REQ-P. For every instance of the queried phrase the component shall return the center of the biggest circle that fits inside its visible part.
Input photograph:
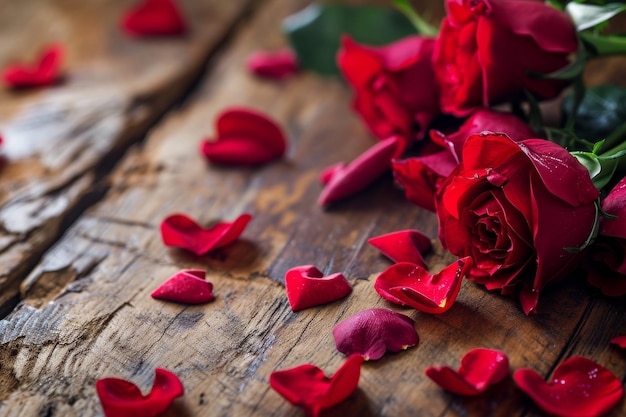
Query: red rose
(487, 48)
(606, 261)
(515, 208)
(394, 85)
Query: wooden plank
(59, 140)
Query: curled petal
(307, 287)
(121, 398)
(154, 18)
(46, 71)
(579, 388)
(479, 369)
(187, 286)
(181, 231)
(409, 284)
(307, 387)
(278, 65)
(244, 137)
(372, 332)
(403, 246)
(619, 341)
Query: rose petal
(278, 65)
(372, 332)
(45, 72)
(409, 284)
(181, 231)
(154, 18)
(307, 387)
(619, 341)
(187, 286)
(579, 388)
(244, 137)
(371, 164)
(120, 398)
(479, 369)
(308, 287)
(403, 246)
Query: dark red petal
(154, 18)
(244, 137)
(409, 284)
(120, 398)
(273, 64)
(46, 71)
(479, 369)
(181, 231)
(329, 172)
(403, 246)
(372, 332)
(307, 387)
(579, 388)
(188, 286)
(307, 287)
(619, 341)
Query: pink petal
(403, 246)
(372, 332)
(307, 287)
(278, 65)
(187, 286)
(479, 369)
(619, 341)
(45, 72)
(409, 284)
(307, 387)
(579, 388)
(181, 231)
(245, 137)
(154, 18)
(120, 398)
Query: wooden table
(93, 165)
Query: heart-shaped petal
(278, 65)
(619, 341)
(188, 286)
(479, 369)
(121, 398)
(372, 332)
(307, 287)
(181, 231)
(154, 18)
(403, 246)
(46, 71)
(343, 181)
(579, 388)
(409, 284)
(307, 387)
(244, 137)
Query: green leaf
(315, 32)
(600, 45)
(586, 16)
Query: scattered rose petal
(409, 284)
(278, 65)
(579, 388)
(619, 341)
(181, 231)
(307, 287)
(329, 172)
(307, 387)
(343, 181)
(121, 398)
(46, 71)
(479, 369)
(154, 18)
(372, 332)
(403, 246)
(244, 137)
(187, 286)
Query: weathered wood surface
(85, 310)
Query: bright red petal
(579, 388)
(403, 246)
(181, 231)
(307, 287)
(120, 398)
(479, 369)
(278, 65)
(188, 286)
(307, 387)
(45, 72)
(372, 332)
(619, 341)
(154, 18)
